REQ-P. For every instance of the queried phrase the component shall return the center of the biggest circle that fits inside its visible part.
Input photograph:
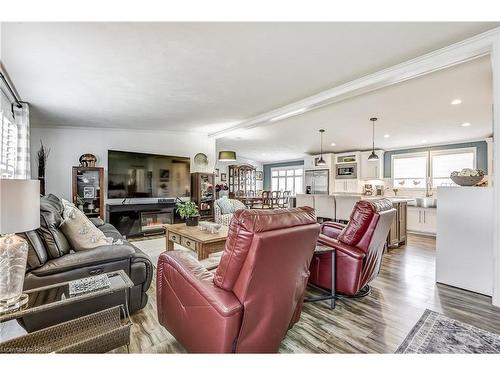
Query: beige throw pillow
(81, 233)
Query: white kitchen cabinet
(311, 160)
(371, 170)
(347, 186)
(347, 157)
(422, 220)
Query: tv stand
(142, 219)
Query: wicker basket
(95, 333)
(466, 180)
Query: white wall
(67, 144)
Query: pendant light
(227, 156)
(373, 156)
(321, 161)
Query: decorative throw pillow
(81, 233)
(225, 205)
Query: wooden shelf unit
(203, 194)
(89, 177)
(242, 178)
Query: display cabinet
(242, 180)
(202, 193)
(88, 190)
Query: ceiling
(209, 76)
(411, 112)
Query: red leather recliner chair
(256, 293)
(359, 247)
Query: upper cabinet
(347, 157)
(311, 162)
(372, 170)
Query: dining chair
(275, 198)
(265, 202)
(285, 199)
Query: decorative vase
(13, 257)
(192, 221)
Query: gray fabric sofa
(51, 259)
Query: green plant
(187, 209)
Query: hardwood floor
(377, 323)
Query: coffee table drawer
(190, 244)
(174, 238)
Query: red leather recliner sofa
(257, 292)
(359, 248)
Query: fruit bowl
(466, 180)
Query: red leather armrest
(342, 247)
(199, 279)
(331, 228)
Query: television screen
(137, 175)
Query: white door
(352, 186)
(340, 186)
(429, 220)
(414, 218)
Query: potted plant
(189, 212)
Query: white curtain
(14, 140)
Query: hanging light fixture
(373, 156)
(321, 161)
(227, 156)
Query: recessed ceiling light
(466, 124)
(387, 135)
(424, 140)
(333, 144)
(456, 101)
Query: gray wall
(267, 170)
(482, 154)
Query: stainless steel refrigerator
(317, 182)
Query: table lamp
(19, 212)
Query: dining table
(249, 201)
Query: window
(8, 146)
(445, 162)
(287, 179)
(409, 171)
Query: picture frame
(259, 175)
(165, 175)
(89, 192)
(223, 177)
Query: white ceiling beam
(457, 53)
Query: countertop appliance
(346, 171)
(317, 182)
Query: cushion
(51, 209)
(225, 205)
(37, 255)
(81, 233)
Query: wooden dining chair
(275, 198)
(265, 202)
(285, 199)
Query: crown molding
(468, 49)
(56, 126)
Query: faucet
(428, 188)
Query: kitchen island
(338, 207)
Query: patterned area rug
(436, 333)
(153, 247)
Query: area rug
(155, 246)
(436, 333)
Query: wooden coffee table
(202, 242)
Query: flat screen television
(138, 175)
